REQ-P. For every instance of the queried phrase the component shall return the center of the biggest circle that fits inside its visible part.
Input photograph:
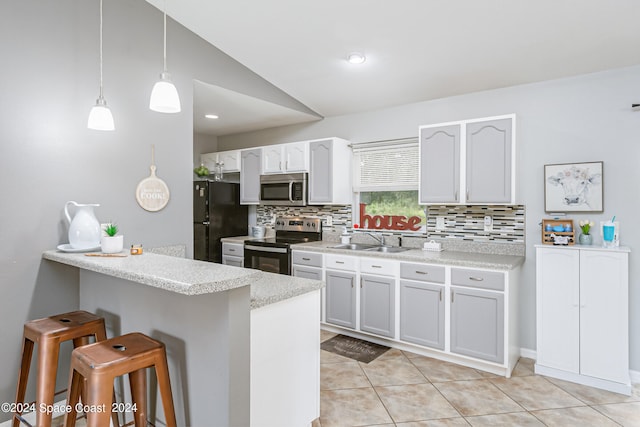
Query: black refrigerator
(217, 213)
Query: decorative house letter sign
(388, 222)
(152, 193)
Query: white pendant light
(100, 117)
(164, 95)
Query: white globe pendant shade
(100, 117)
(164, 95)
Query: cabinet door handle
(306, 259)
(452, 294)
(467, 195)
(440, 294)
(455, 197)
(421, 272)
(280, 165)
(287, 164)
(339, 262)
(476, 279)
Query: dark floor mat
(354, 348)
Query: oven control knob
(313, 225)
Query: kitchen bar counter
(189, 277)
(454, 258)
(243, 346)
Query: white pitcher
(84, 229)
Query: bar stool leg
(75, 384)
(164, 384)
(21, 389)
(99, 391)
(138, 384)
(48, 351)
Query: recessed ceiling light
(211, 116)
(356, 58)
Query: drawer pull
(476, 279)
(306, 259)
(421, 272)
(231, 250)
(376, 266)
(339, 262)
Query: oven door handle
(291, 191)
(266, 249)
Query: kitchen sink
(370, 248)
(355, 247)
(387, 249)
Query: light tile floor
(408, 390)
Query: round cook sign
(152, 193)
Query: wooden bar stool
(100, 363)
(49, 332)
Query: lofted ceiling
(416, 50)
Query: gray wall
(203, 144)
(580, 119)
(49, 82)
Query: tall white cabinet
(583, 315)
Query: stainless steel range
(273, 254)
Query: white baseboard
(531, 354)
(528, 353)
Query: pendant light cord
(165, 36)
(101, 95)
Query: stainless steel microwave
(284, 189)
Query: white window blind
(386, 166)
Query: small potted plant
(113, 242)
(585, 238)
(201, 171)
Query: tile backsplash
(461, 222)
(340, 214)
(466, 222)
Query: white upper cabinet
(285, 158)
(468, 162)
(250, 176)
(330, 172)
(440, 164)
(489, 161)
(230, 160)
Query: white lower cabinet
(307, 265)
(377, 304)
(582, 301)
(233, 254)
(477, 314)
(457, 314)
(341, 298)
(422, 314)
(422, 304)
(477, 323)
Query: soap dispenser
(345, 237)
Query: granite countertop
(190, 277)
(453, 258)
(237, 239)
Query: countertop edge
(266, 288)
(451, 258)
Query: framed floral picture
(574, 187)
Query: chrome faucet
(379, 237)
